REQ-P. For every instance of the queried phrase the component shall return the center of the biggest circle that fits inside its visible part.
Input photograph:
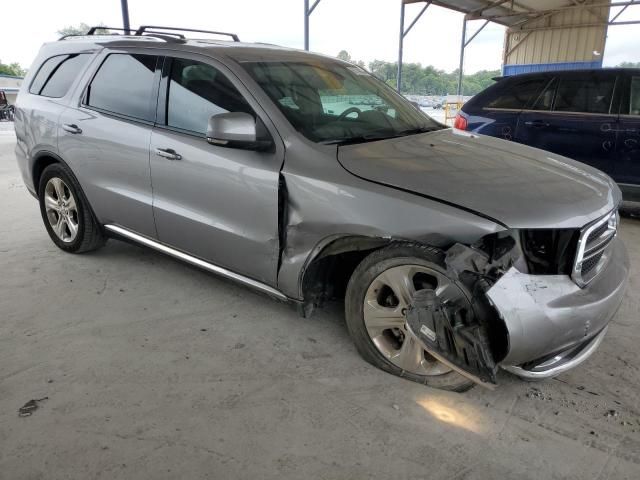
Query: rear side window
(585, 93)
(198, 91)
(124, 85)
(518, 94)
(56, 75)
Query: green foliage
(629, 65)
(344, 55)
(419, 80)
(79, 29)
(13, 69)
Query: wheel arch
(42, 160)
(46, 158)
(330, 264)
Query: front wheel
(66, 213)
(378, 295)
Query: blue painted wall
(546, 67)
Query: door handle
(71, 128)
(536, 124)
(168, 153)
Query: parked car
(592, 116)
(6, 110)
(456, 254)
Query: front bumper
(549, 317)
(559, 362)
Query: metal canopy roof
(514, 13)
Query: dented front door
(219, 204)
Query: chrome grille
(590, 263)
(592, 252)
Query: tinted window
(545, 99)
(124, 84)
(634, 103)
(198, 91)
(585, 93)
(57, 74)
(518, 94)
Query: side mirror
(238, 130)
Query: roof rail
(92, 31)
(150, 31)
(155, 28)
(166, 36)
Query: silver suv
(306, 178)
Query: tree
(630, 65)
(344, 55)
(81, 29)
(13, 69)
(419, 80)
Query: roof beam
(553, 10)
(623, 9)
(582, 25)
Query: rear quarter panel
(37, 117)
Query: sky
(367, 29)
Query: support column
(400, 48)
(462, 45)
(306, 25)
(308, 10)
(403, 33)
(125, 16)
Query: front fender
(317, 213)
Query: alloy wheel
(385, 305)
(61, 209)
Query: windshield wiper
(373, 138)
(356, 139)
(415, 131)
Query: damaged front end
(523, 311)
(468, 335)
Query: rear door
(575, 116)
(216, 203)
(627, 171)
(105, 138)
(498, 117)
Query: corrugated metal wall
(567, 37)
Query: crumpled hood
(519, 186)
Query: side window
(518, 94)
(545, 99)
(634, 101)
(585, 93)
(124, 84)
(198, 91)
(56, 75)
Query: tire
(365, 282)
(66, 213)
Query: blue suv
(592, 116)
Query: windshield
(332, 102)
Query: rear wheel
(66, 213)
(378, 295)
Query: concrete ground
(152, 369)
